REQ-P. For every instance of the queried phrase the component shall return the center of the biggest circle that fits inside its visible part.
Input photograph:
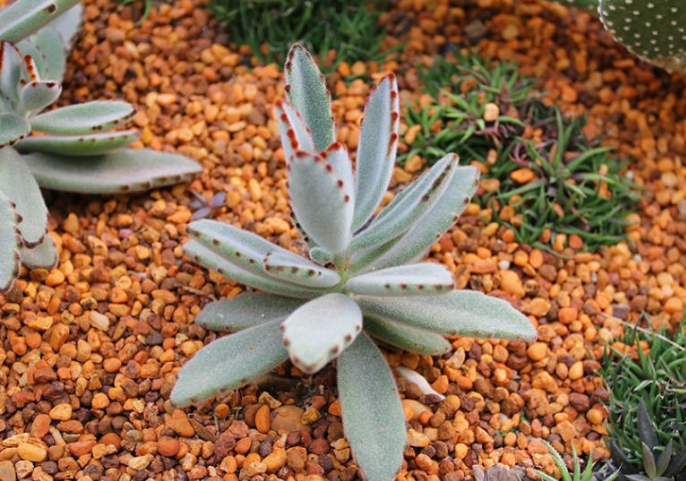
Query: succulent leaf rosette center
(362, 284)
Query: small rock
(181, 425)
(168, 446)
(417, 439)
(32, 452)
(61, 412)
(7, 472)
(287, 418)
(140, 462)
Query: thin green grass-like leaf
(464, 313)
(78, 145)
(229, 363)
(377, 148)
(312, 343)
(123, 171)
(425, 279)
(405, 337)
(86, 118)
(322, 202)
(246, 310)
(18, 184)
(9, 244)
(307, 92)
(373, 417)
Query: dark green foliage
(268, 27)
(147, 7)
(577, 187)
(659, 379)
(578, 474)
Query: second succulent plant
(71, 148)
(362, 284)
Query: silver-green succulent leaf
(246, 310)
(35, 96)
(321, 200)
(299, 270)
(358, 282)
(25, 17)
(307, 92)
(10, 242)
(42, 256)
(119, 172)
(377, 148)
(312, 343)
(229, 363)
(373, 416)
(13, 128)
(295, 135)
(18, 184)
(83, 119)
(68, 25)
(424, 279)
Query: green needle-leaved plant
(76, 151)
(578, 475)
(658, 462)
(362, 282)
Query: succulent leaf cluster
(76, 150)
(577, 474)
(655, 30)
(658, 462)
(362, 284)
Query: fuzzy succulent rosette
(362, 283)
(76, 148)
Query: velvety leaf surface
(246, 310)
(425, 279)
(126, 170)
(211, 260)
(464, 313)
(428, 229)
(406, 337)
(377, 148)
(9, 244)
(35, 96)
(84, 118)
(25, 17)
(43, 256)
(294, 133)
(408, 206)
(18, 184)
(51, 44)
(322, 202)
(68, 25)
(320, 330)
(307, 92)
(78, 145)
(10, 71)
(12, 128)
(229, 363)
(299, 270)
(336, 155)
(373, 418)
(242, 248)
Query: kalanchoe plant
(652, 29)
(75, 152)
(360, 284)
(658, 463)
